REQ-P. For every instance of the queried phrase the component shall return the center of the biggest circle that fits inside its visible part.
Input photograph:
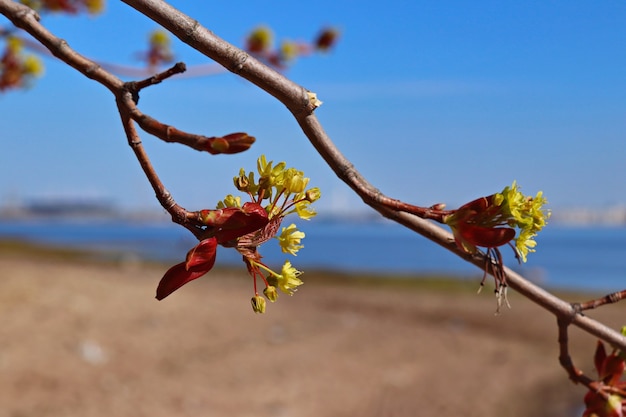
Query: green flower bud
(313, 194)
(271, 293)
(258, 304)
(241, 181)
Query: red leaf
(202, 256)
(176, 277)
(599, 357)
(251, 217)
(477, 205)
(488, 237)
(613, 369)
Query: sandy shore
(87, 339)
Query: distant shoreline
(612, 216)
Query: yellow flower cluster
(284, 188)
(280, 191)
(525, 213)
(287, 281)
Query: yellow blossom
(304, 211)
(290, 238)
(295, 182)
(289, 50)
(270, 176)
(229, 201)
(160, 38)
(32, 66)
(288, 281)
(525, 213)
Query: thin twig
(575, 374)
(607, 299)
(127, 95)
(178, 68)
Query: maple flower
(279, 192)
(492, 221)
(229, 201)
(495, 220)
(288, 281)
(290, 238)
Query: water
(567, 257)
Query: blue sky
(432, 102)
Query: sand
(82, 338)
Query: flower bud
(241, 181)
(230, 144)
(258, 304)
(271, 293)
(315, 102)
(229, 201)
(260, 40)
(288, 51)
(326, 39)
(313, 194)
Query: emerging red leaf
(613, 369)
(488, 237)
(233, 222)
(599, 357)
(199, 261)
(202, 255)
(176, 277)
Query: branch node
(189, 34)
(92, 69)
(240, 60)
(166, 200)
(28, 11)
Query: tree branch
(127, 95)
(297, 100)
(301, 103)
